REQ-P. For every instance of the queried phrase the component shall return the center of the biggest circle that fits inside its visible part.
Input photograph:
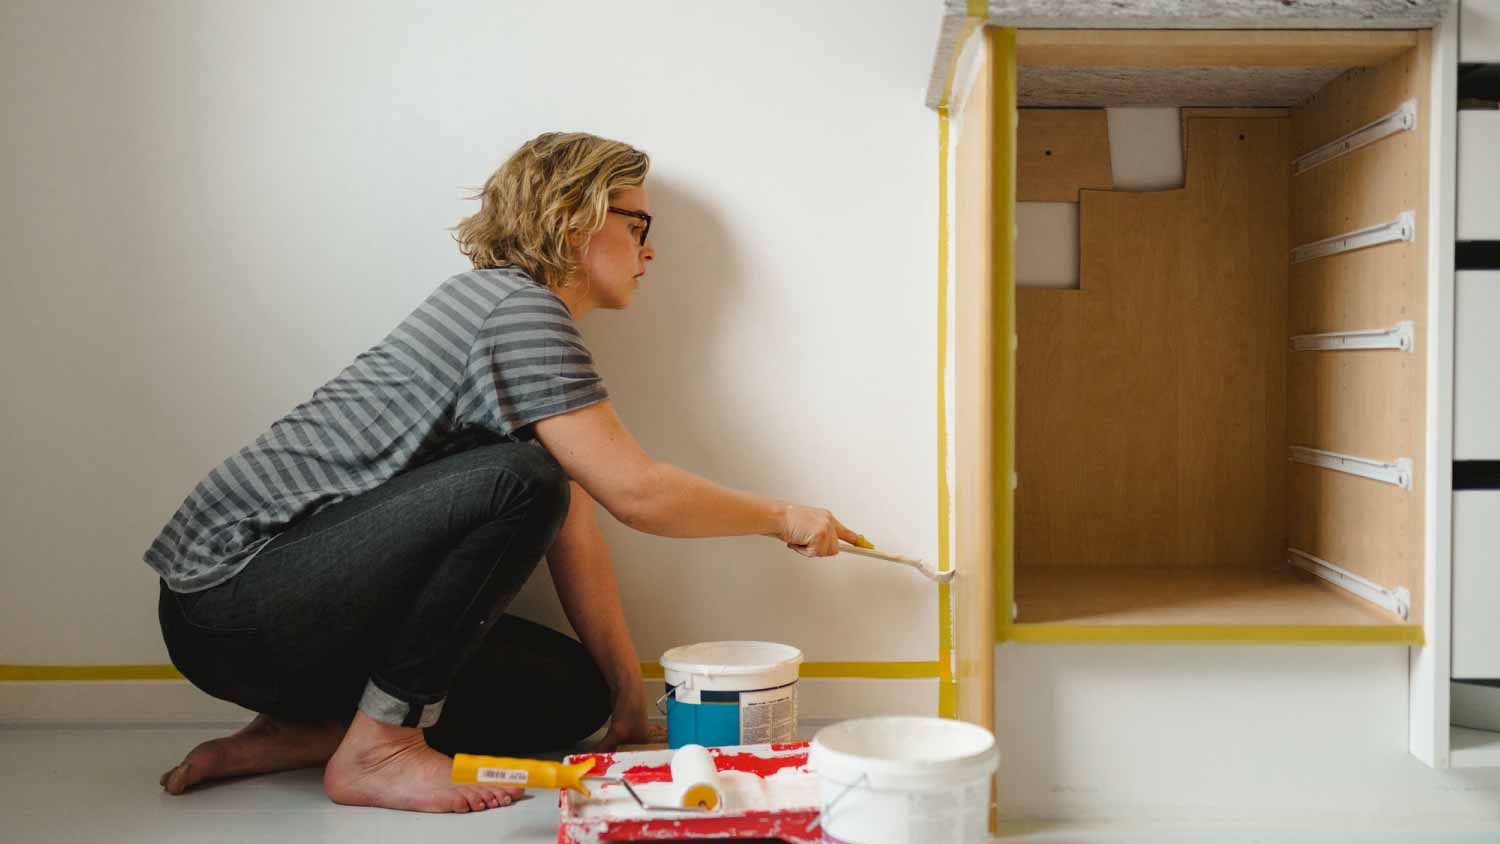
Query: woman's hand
(814, 532)
(630, 723)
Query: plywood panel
(1357, 524)
(1151, 402)
(1060, 152)
(1372, 404)
(1187, 595)
(1100, 87)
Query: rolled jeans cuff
(398, 710)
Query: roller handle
(520, 773)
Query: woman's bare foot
(392, 767)
(264, 745)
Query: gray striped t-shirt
(488, 354)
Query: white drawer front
(1476, 584)
(1475, 707)
(1478, 175)
(1479, 31)
(1476, 366)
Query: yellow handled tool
(693, 774)
(520, 773)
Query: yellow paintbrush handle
(520, 773)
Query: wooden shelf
(1195, 604)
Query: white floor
(100, 784)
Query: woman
(346, 575)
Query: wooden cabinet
(1220, 435)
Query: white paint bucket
(731, 693)
(904, 780)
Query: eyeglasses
(639, 215)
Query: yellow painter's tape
(914, 670)
(63, 673)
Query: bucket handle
(687, 683)
(823, 812)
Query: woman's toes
(175, 781)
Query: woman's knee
(520, 475)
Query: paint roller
(696, 786)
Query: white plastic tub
(904, 780)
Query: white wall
(217, 205)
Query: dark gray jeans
(393, 602)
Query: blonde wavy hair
(554, 184)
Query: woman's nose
(648, 252)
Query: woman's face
(614, 259)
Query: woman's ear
(578, 239)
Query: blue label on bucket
(722, 718)
(708, 724)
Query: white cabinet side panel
(1478, 174)
(1476, 377)
(1476, 584)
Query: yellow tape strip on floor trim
(1373, 634)
(35, 673)
(915, 670)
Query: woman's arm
(585, 582)
(597, 451)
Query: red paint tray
(786, 806)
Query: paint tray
(768, 793)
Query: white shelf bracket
(1403, 119)
(1397, 473)
(1396, 600)
(1398, 336)
(1403, 227)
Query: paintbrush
(867, 549)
